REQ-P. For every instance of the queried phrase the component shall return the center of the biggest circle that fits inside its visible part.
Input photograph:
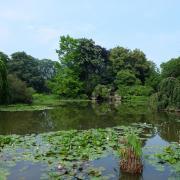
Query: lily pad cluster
(65, 153)
(171, 155)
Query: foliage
(170, 154)
(134, 143)
(83, 64)
(137, 90)
(18, 91)
(45, 99)
(125, 77)
(65, 154)
(31, 70)
(3, 82)
(171, 68)
(4, 57)
(101, 92)
(93, 62)
(5, 141)
(135, 61)
(169, 94)
(154, 78)
(66, 83)
(167, 156)
(131, 154)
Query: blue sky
(34, 26)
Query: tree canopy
(171, 68)
(87, 65)
(3, 82)
(87, 70)
(134, 61)
(82, 62)
(31, 70)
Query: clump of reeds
(131, 152)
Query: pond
(85, 115)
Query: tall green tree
(154, 78)
(66, 83)
(85, 62)
(135, 61)
(4, 57)
(18, 91)
(31, 70)
(3, 83)
(171, 68)
(169, 93)
(93, 63)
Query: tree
(101, 92)
(171, 68)
(3, 82)
(94, 63)
(154, 78)
(4, 57)
(125, 77)
(168, 95)
(66, 83)
(86, 62)
(31, 70)
(18, 91)
(134, 61)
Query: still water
(85, 115)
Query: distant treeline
(87, 70)
(21, 75)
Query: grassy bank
(40, 102)
(48, 101)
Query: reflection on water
(86, 115)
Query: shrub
(168, 96)
(101, 92)
(137, 90)
(126, 77)
(18, 91)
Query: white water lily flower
(60, 167)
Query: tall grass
(131, 153)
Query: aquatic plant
(66, 154)
(4, 140)
(131, 154)
(170, 154)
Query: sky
(35, 26)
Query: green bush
(168, 95)
(137, 90)
(126, 77)
(171, 68)
(18, 91)
(101, 92)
